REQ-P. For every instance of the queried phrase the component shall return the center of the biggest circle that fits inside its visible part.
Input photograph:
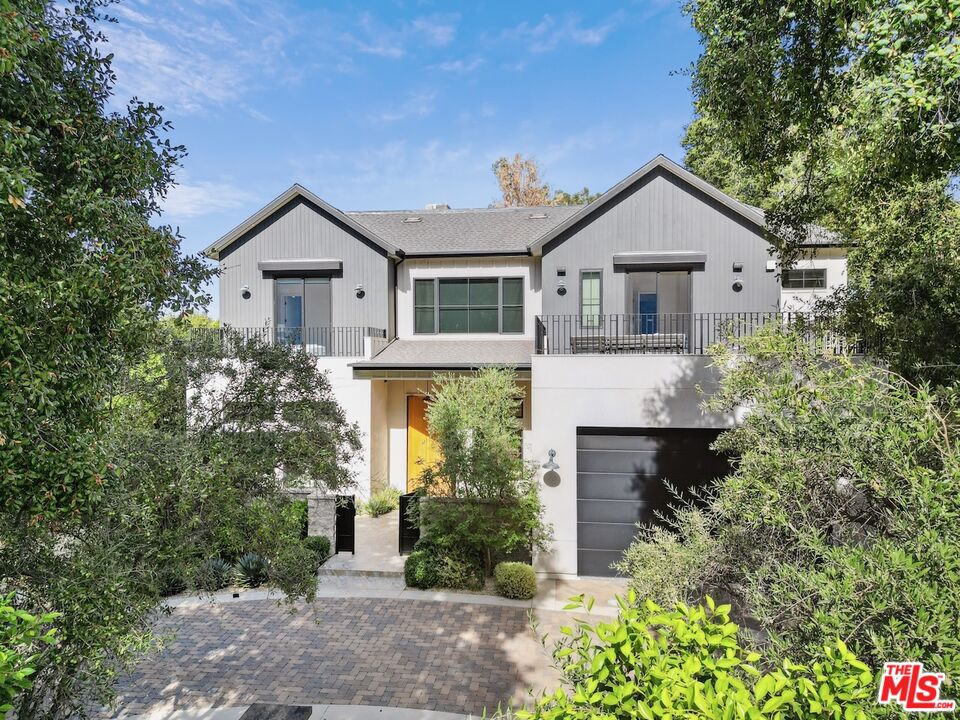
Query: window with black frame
(302, 311)
(804, 279)
(468, 305)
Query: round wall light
(245, 292)
(737, 286)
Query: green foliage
(382, 501)
(581, 197)
(654, 663)
(489, 497)
(319, 545)
(515, 580)
(842, 518)
(251, 570)
(669, 563)
(213, 574)
(22, 637)
(84, 275)
(420, 570)
(300, 510)
(838, 115)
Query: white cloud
(417, 104)
(192, 199)
(373, 37)
(549, 33)
(437, 29)
(460, 66)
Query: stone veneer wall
(321, 513)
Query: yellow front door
(422, 451)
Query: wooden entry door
(422, 451)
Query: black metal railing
(317, 341)
(671, 333)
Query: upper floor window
(804, 279)
(468, 305)
(590, 306)
(301, 306)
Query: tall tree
(841, 115)
(519, 181)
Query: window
(590, 307)
(302, 307)
(468, 305)
(805, 279)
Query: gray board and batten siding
(300, 229)
(662, 212)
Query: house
(606, 311)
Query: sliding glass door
(658, 302)
(302, 311)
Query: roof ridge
(450, 211)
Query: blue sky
(392, 105)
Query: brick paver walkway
(362, 651)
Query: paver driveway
(365, 651)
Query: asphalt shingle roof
(451, 353)
(448, 232)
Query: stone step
(359, 572)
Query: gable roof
(748, 213)
(295, 191)
(482, 231)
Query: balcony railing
(670, 333)
(315, 341)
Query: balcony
(315, 341)
(670, 333)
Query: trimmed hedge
(319, 545)
(515, 580)
(420, 570)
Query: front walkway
(451, 657)
(377, 540)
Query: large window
(468, 305)
(805, 279)
(590, 306)
(302, 308)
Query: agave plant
(251, 570)
(214, 574)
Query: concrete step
(358, 572)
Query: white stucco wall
(467, 267)
(834, 261)
(604, 391)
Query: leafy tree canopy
(520, 185)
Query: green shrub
(251, 570)
(457, 571)
(687, 663)
(515, 580)
(420, 570)
(301, 512)
(319, 545)
(22, 637)
(213, 574)
(382, 501)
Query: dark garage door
(620, 482)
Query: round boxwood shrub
(420, 570)
(319, 545)
(515, 580)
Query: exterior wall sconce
(737, 286)
(561, 288)
(738, 267)
(550, 464)
(245, 292)
(360, 291)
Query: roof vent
(538, 216)
(437, 206)
(413, 219)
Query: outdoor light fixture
(360, 291)
(561, 288)
(738, 267)
(737, 286)
(245, 292)
(550, 464)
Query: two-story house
(605, 310)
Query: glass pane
(423, 292)
(513, 291)
(590, 288)
(453, 321)
(483, 292)
(290, 311)
(512, 319)
(423, 320)
(316, 301)
(483, 320)
(673, 292)
(453, 292)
